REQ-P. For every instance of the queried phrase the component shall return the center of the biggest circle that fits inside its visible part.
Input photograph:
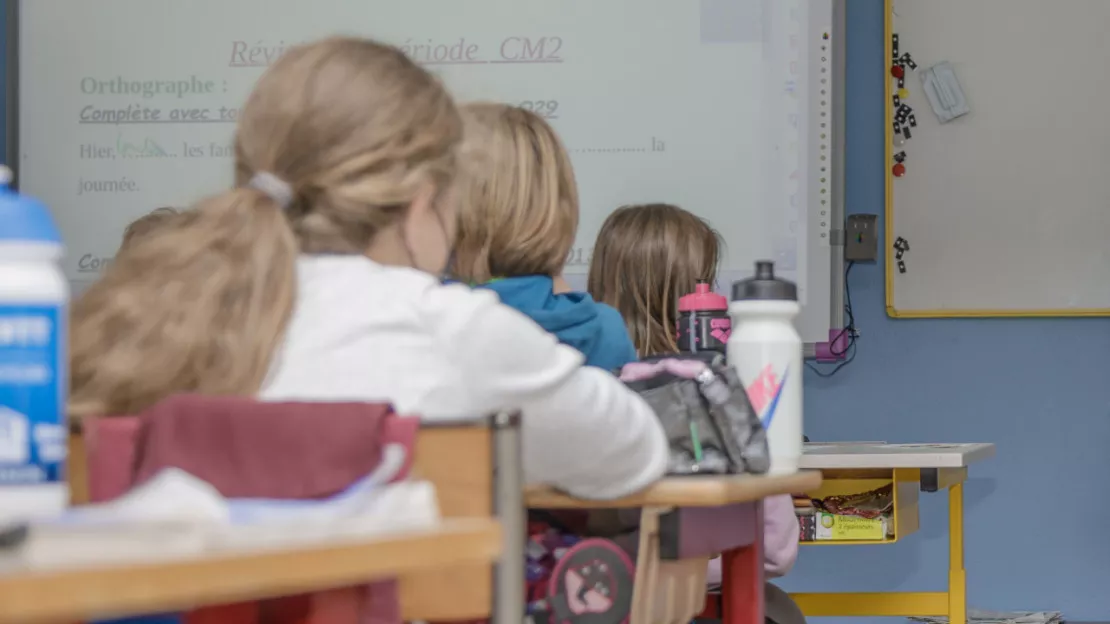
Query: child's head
(519, 208)
(359, 144)
(345, 146)
(645, 258)
(147, 224)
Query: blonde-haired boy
(517, 222)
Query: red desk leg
(742, 580)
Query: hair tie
(274, 187)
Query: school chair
(108, 455)
(666, 590)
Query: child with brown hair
(646, 258)
(316, 278)
(517, 223)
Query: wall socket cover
(862, 238)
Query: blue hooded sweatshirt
(595, 329)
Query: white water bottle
(766, 351)
(34, 379)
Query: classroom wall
(1040, 389)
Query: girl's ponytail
(198, 307)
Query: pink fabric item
(780, 540)
(780, 535)
(245, 448)
(110, 445)
(638, 371)
(249, 449)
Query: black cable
(850, 349)
(849, 328)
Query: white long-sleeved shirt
(362, 331)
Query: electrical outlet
(862, 238)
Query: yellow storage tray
(906, 517)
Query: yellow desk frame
(951, 603)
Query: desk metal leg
(957, 577)
(508, 501)
(742, 579)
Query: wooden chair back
(459, 460)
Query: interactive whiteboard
(723, 107)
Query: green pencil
(696, 439)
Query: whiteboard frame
(891, 309)
(836, 212)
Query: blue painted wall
(1036, 533)
(1037, 515)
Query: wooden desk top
(865, 455)
(714, 491)
(90, 592)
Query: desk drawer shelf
(905, 516)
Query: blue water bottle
(34, 380)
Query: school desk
(458, 458)
(713, 515)
(850, 468)
(91, 591)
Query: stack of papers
(978, 616)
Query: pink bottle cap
(701, 300)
